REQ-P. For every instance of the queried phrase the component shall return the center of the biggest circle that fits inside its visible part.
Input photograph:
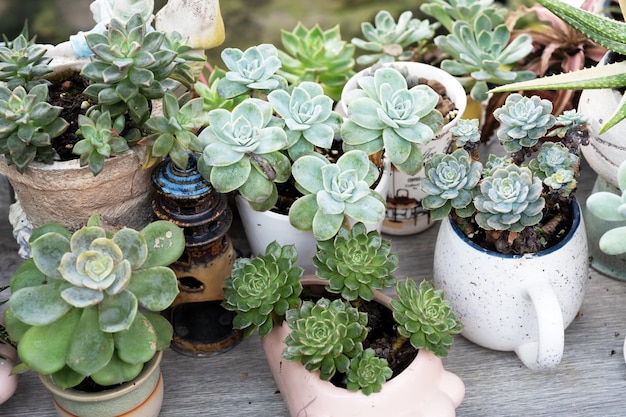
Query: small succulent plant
(22, 62)
(100, 139)
(424, 316)
(449, 11)
(333, 191)
(367, 373)
(80, 296)
(385, 114)
(316, 55)
(356, 262)
(27, 125)
(206, 88)
(242, 151)
(130, 66)
(465, 132)
(552, 158)
(388, 41)
(262, 289)
(172, 133)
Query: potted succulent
(512, 215)
(114, 93)
(92, 299)
(318, 333)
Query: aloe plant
(80, 295)
(601, 29)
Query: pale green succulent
(242, 151)
(523, 121)
(367, 373)
(100, 139)
(129, 67)
(495, 161)
(465, 131)
(22, 62)
(611, 207)
(262, 289)
(356, 262)
(562, 181)
(425, 317)
(449, 183)
(333, 191)
(449, 11)
(569, 119)
(210, 97)
(388, 41)
(308, 116)
(172, 133)
(481, 54)
(600, 29)
(325, 336)
(90, 298)
(510, 198)
(551, 158)
(252, 69)
(316, 55)
(28, 123)
(385, 114)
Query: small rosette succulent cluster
(556, 166)
(262, 289)
(23, 62)
(90, 299)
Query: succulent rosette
(262, 289)
(356, 262)
(551, 158)
(325, 336)
(509, 199)
(465, 131)
(368, 373)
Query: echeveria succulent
(262, 289)
(509, 199)
(333, 191)
(308, 116)
(28, 123)
(551, 158)
(388, 41)
(385, 114)
(356, 262)
(424, 316)
(449, 183)
(23, 62)
(242, 151)
(567, 120)
(523, 121)
(88, 297)
(252, 69)
(465, 131)
(449, 11)
(367, 373)
(325, 335)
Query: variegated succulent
(90, 298)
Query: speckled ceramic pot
(514, 303)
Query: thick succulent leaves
(47, 251)
(66, 378)
(162, 327)
(81, 240)
(165, 242)
(325, 226)
(155, 288)
(307, 171)
(231, 177)
(303, 211)
(82, 297)
(413, 163)
(132, 246)
(56, 337)
(369, 209)
(117, 312)
(612, 241)
(607, 206)
(397, 149)
(90, 348)
(137, 344)
(39, 305)
(116, 371)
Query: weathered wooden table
(590, 381)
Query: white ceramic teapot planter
(514, 303)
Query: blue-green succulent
(465, 132)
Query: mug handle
(546, 352)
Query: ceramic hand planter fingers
(514, 303)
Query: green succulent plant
(601, 29)
(356, 262)
(130, 66)
(611, 207)
(206, 88)
(242, 151)
(22, 62)
(80, 296)
(552, 158)
(385, 114)
(325, 335)
(465, 132)
(367, 373)
(450, 181)
(262, 289)
(449, 11)
(100, 139)
(523, 121)
(27, 125)
(333, 191)
(424, 316)
(172, 133)
(316, 55)
(388, 41)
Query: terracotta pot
(423, 389)
(514, 303)
(405, 215)
(141, 397)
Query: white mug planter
(514, 303)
